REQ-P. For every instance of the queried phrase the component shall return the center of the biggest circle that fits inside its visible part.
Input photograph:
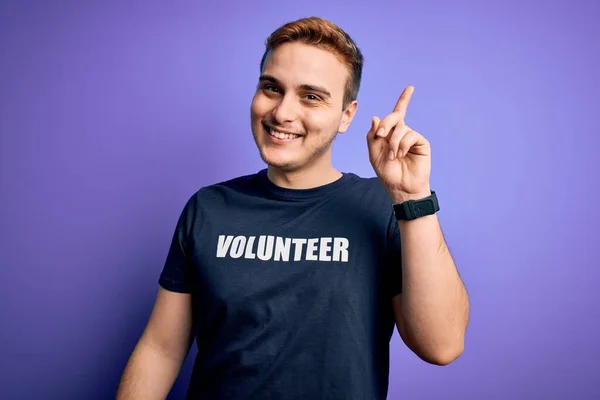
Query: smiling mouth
(280, 135)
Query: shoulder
(244, 185)
(211, 199)
(368, 189)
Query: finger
(402, 104)
(410, 141)
(394, 141)
(388, 124)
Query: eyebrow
(312, 88)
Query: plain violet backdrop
(113, 113)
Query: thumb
(374, 143)
(374, 124)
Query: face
(296, 111)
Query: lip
(271, 128)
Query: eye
(312, 97)
(270, 88)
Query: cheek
(322, 122)
(260, 106)
(255, 107)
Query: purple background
(112, 115)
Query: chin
(278, 158)
(279, 161)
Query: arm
(161, 350)
(433, 310)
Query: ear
(348, 116)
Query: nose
(286, 110)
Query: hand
(400, 156)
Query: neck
(305, 178)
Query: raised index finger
(403, 101)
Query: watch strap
(413, 209)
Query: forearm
(435, 305)
(149, 374)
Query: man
(292, 279)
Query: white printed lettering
(274, 248)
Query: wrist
(401, 197)
(417, 205)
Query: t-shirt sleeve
(394, 257)
(176, 275)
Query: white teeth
(281, 135)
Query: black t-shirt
(292, 289)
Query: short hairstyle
(326, 35)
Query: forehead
(297, 64)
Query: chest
(283, 256)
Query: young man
(292, 279)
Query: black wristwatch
(413, 209)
